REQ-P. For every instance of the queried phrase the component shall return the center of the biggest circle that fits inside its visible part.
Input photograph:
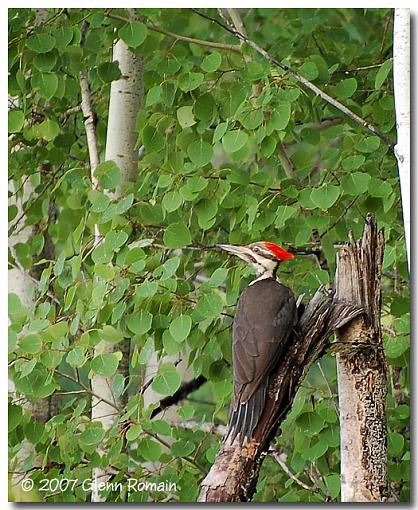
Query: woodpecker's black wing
(265, 316)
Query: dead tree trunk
(361, 369)
(233, 476)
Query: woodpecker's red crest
(279, 252)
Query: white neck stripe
(264, 276)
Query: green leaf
(379, 188)
(204, 107)
(190, 81)
(16, 118)
(99, 200)
(177, 235)
(56, 331)
(45, 84)
(32, 343)
(167, 381)
(139, 322)
(172, 201)
(395, 443)
(41, 43)
(211, 62)
(15, 304)
(333, 484)
(134, 34)
(234, 140)
(171, 346)
(353, 162)
(63, 36)
(109, 175)
(45, 61)
(346, 88)
(355, 183)
(310, 423)
(115, 239)
(219, 132)
(108, 72)
(316, 451)
(309, 70)
(147, 351)
(48, 130)
(382, 74)
(180, 327)
(92, 435)
(252, 119)
(69, 297)
(280, 116)
(200, 152)
(210, 306)
(395, 347)
(283, 213)
(111, 335)
(185, 116)
(268, 146)
(105, 364)
(152, 139)
(133, 432)
(15, 416)
(150, 450)
(153, 96)
(218, 276)
(118, 385)
(368, 144)
(325, 196)
(76, 357)
(182, 448)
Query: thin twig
(291, 475)
(167, 445)
(317, 91)
(88, 390)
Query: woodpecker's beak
(239, 251)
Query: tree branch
(317, 91)
(184, 390)
(178, 37)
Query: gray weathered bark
(361, 369)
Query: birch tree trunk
(361, 371)
(401, 81)
(126, 98)
(21, 283)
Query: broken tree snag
(361, 369)
(233, 476)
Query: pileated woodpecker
(264, 319)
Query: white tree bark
(21, 284)
(126, 97)
(401, 80)
(361, 371)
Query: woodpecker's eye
(256, 249)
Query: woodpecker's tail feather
(244, 419)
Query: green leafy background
(209, 172)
